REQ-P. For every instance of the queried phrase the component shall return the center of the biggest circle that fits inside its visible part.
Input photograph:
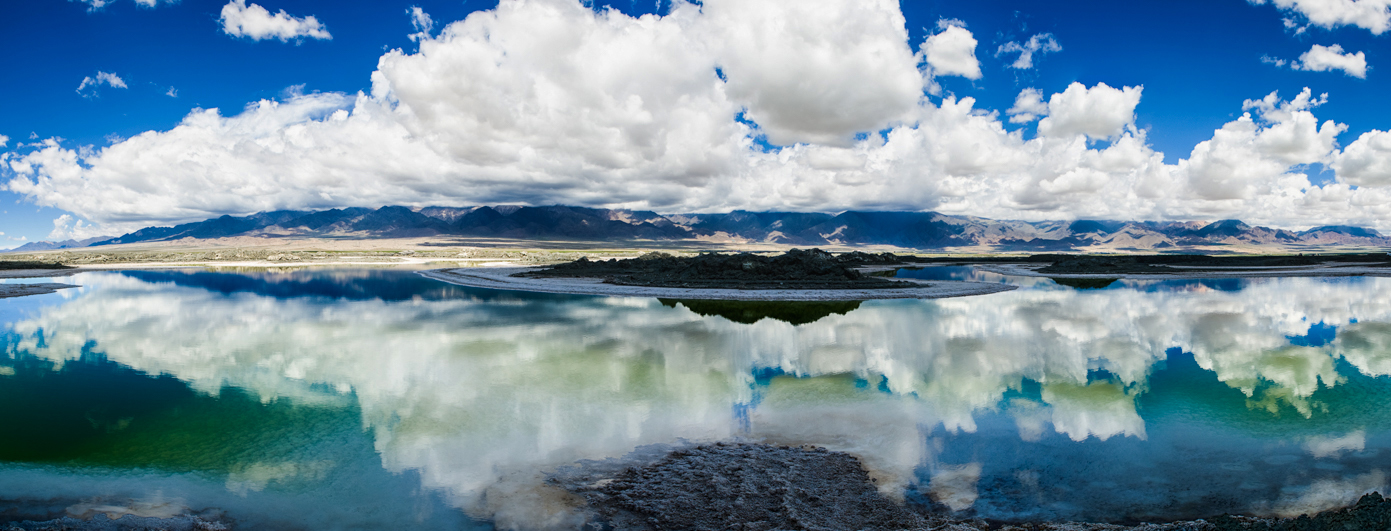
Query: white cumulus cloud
(1328, 58)
(1041, 43)
(814, 71)
(4, 140)
(1367, 161)
(1371, 15)
(421, 22)
(256, 23)
(102, 78)
(67, 227)
(952, 52)
(1028, 106)
(1253, 154)
(551, 98)
(1098, 112)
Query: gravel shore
(756, 486)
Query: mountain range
(909, 230)
(50, 246)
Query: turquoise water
(355, 399)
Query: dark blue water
(382, 399)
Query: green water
(93, 413)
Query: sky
(121, 114)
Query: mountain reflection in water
(1143, 400)
(749, 312)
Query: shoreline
(500, 278)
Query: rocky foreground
(765, 487)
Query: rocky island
(795, 269)
(797, 275)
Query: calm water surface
(381, 399)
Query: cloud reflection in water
(480, 391)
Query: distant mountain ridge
(49, 246)
(911, 230)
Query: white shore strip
(1028, 270)
(500, 278)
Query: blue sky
(1196, 59)
(1197, 63)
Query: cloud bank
(813, 106)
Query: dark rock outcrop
(795, 269)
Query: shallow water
(381, 399)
